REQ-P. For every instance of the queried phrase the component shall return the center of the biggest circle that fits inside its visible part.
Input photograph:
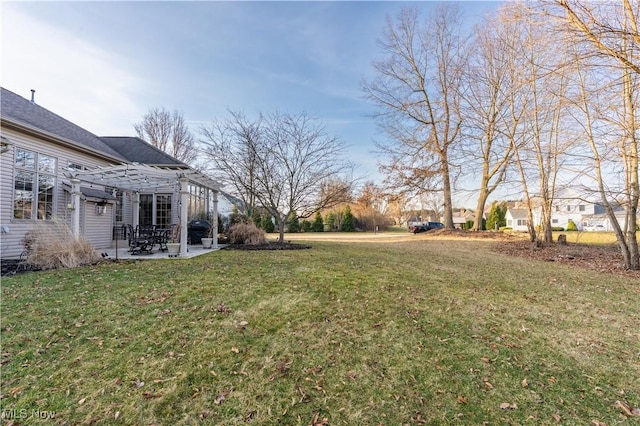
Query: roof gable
(20, 111)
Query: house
(568, 206)
(517, 219)
(52, 168)
(461, 217)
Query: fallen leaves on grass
(222, 308)
(605, 259)
(626, 409)
(222, 396)
(508, 406)
(317, 421)
(144, 300)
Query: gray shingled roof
(21, 111)
(137, 150)
(518, 213)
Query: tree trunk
(482, 199)
(446, 192)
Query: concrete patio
(123, 252)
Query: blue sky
(103, 65)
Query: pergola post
(215, 219)
(184, 194)
(75, 203)
(135, 220)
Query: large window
(34, 185)
(197, 202)
(155, 209)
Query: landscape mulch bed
(606, 259)
(270, 246)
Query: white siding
(11, 242)
(95, 225)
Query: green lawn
(393, 331)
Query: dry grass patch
(52, 245)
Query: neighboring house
(461, 217)
(602, 222)
(517, 219)
(52, 168)
(569, 206)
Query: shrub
(557, 228)
(506, 228)
(347, 220)
(305, 225)
(52, 245)
(293, 225)
(247, 233)
(267, 223)
(318, 224)
(571, 226)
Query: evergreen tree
(331, 221)
(318, 224)
(305, 225)
(497, 216)
(267, 224)
(292, 223)
(347, 220)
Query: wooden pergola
(137, 178)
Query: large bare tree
(416, 90)
(232, 144)
(488, 107)
(287, 163)
(542, 147)
(606, 41)
(168, 132)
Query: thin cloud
(77, 80)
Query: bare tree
(168, 132)
(606, 42)
(488, 107)
(417, 92)
(542, 88)
(371, 206)
(232, 145)
(286, 163)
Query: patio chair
(139, 243)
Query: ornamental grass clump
(248, 234)
(52, 245)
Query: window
(120, 196)
(34, 185)
(155, 209)
(163, 211)
(554, 220)
(582, 207)
(523, 222)
(568, 208)
(197, 202)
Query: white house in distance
(517, 219)
(52, 168)
(568, 206)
